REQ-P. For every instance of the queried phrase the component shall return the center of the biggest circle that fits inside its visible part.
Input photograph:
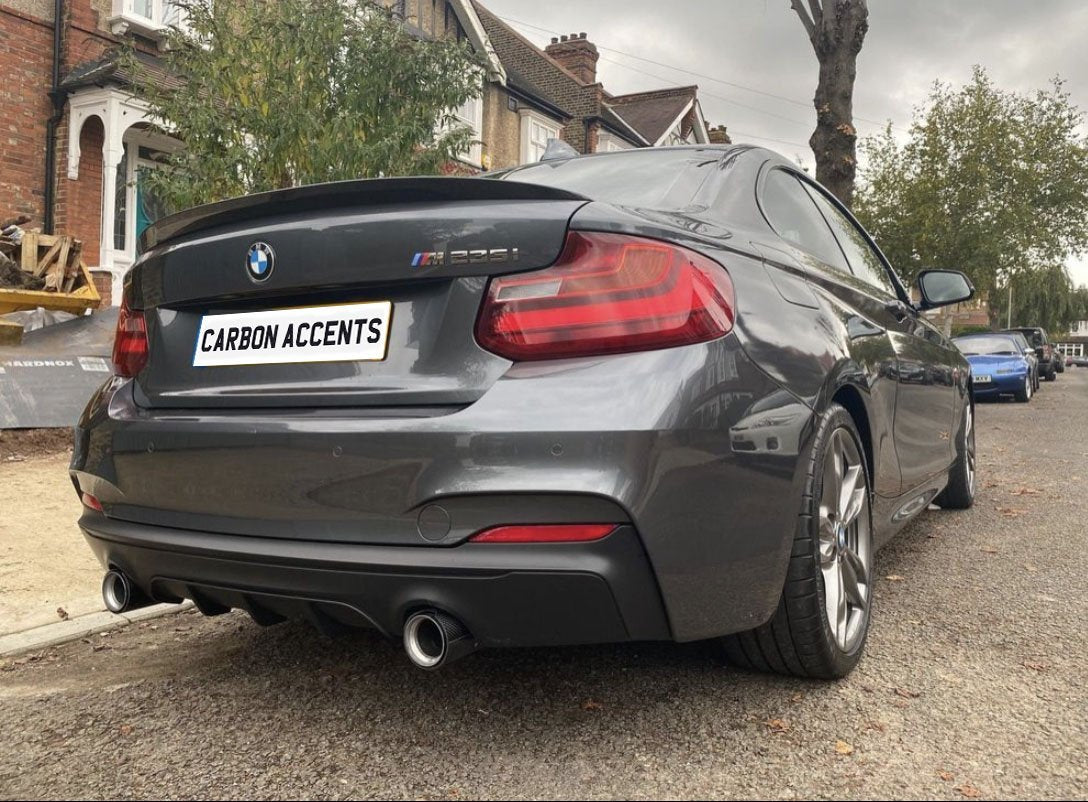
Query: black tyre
(822, 620)
(1024, 393)
(1051, 373)
(959, 493)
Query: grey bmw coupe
(668, 394)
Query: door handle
(899, 310)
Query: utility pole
(1008, 322)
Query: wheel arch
(850, 398)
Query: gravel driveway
(975, 685)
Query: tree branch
(806, 20)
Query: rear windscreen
(653, 179)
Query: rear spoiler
(339, 194)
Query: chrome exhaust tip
(120, 594)
(433, 638)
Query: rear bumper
(694, 449)
(536, 595)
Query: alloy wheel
(845, 540)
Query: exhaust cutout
(120, 594)
(433, 638)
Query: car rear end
(358, 402)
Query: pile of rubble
(33, 261)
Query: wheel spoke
(847, 491)
(854, 578)
(835, 600)
(827, 540)
(854, 507)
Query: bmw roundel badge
(260, 261)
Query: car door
(849, 322)
(929, 366)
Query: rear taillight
(130, 341)
(607, 293)
(544, 533)
(92, 502)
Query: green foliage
(279, 93)
(990, 182)
(961, 330)
(1044, 297)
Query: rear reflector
(543, 533)
(92, 502)
(130, 341)
(607, 294)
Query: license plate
(341, 333)
(982, 379)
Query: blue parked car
(998, 365)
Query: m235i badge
(466, 257)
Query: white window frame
(608, 142)
(127, 16)
(471, 113)
(531, 151)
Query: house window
(535, 133)
(608, 143)
(472, 115)
(149, 18)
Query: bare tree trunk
(836, 29)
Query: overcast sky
(760, 45)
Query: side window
(864, 261)
(792, 214)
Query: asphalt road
(975, 684)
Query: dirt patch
(20, 444)
(44, 562)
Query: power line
(711, 94)
(697, 75)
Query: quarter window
(792, 214)
(864, 261)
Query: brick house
(75, 142)
(554, 94)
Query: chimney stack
(577, 54)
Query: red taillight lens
(543, 533)
(607, 293)
(92, 502)
(130, 341)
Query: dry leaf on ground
(843, 748)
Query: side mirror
(943, 287)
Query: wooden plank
(49, 256)
(29, 259)
(10, 333)
(47, 240)
(72, 271)
(64, 249)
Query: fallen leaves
(843, 748)
(989, 550)
(894, 578)
(1034, 665)
(777, 726)
(906, 693)
(1011, 512)
(590, 704)
(969, 790)
(947, 776)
